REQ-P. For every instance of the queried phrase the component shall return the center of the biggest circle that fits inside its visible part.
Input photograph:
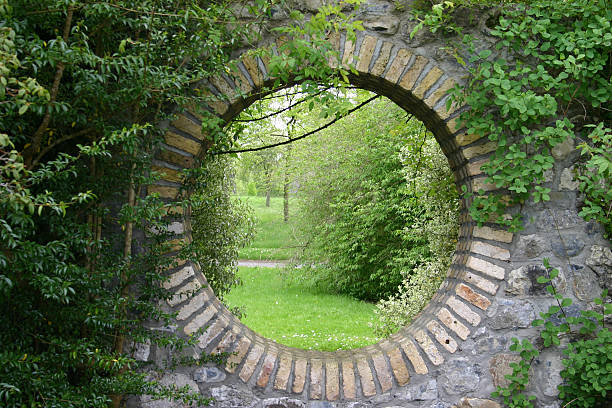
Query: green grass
(273, 239)
(299, 317)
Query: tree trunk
(268, 186)
(268, 196)
(286, 183)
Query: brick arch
(419, 85)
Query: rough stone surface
(600, 261)
(383, 25)
(179, 380)
(283, 403)
(585, 283)
(499, 367)
(208, 374)
(567, 181)
(421, 392)
(508, 313)
(466, 402)
(569, 246)
(547, 376)
(524, 281)
(531, 246)
(563, 149)
(232, 397)
(460, 376)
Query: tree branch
(58, 141)
(37, 137)
(255, 149)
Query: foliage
(298, 316)
(83, 88)
(359, 220)
(221, 225)
(548, 81)
(595, 177)
(587, 376)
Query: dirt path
(252, 263)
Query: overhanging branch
(312, 132)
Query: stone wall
(456, 352)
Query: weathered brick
(316, 377)
(414, 356)
(365, 53)
(382, 372)
(397, 66)
(442, 336)
(400, 371)
(284, 370)
(226, 342)
(485, 267)
(491, 251)
(172, 157)
(428, 346)
(224, 88)
(481, 283)
(367, 380)
(463, 310)
(168, 174)
(200, 320)
(480, 183)
(184, 292)
(175, 244)
(192, 306)
(474, 151)
(474, 298)
(413, 72)
(332, 386)
(383, 59)
(212, 332)
(251, 362)
(334, 41)
(163, 191)
(241, 81)
(348, 380)
(349, 51)
(474, 168)
(188, 126)
(299, 375)
(426, 83)
(464, 139)
(492, 234)
(250, 63)
(454, 124)
(179, 277)
(235, 359)
(182, 143)
(266, 369)
(449, 321)
(440, 92)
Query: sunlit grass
(299, 317)
(273, 239)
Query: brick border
(420, 86)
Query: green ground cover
(273, 239)
(299, 317)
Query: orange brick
(474, 298)
(266, 369)
(463, 310)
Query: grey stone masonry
(457, 351)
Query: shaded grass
(273, 239)
(300, 317)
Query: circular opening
(356, 213)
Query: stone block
(426, 391)
(442, 336)
(299, 375)
(236, 358)
(413, 72)
(212, 332)
(474, 298)
(383, 59)
(349, 52)
(452, 323)
(439, 93)
(387, 25)
(397, 66)
(316, 378)
(426, 83)
(475, 151)
(511, 313)
(481, 283)
(493, 234)
(332, 378)
(428, 346)
(400, 371)
(382, 372)
(365, 53)
(414, 356)
(348, 380)
(460, 377)
(524, 281)
(492, 251)
(194, 304)
(184, 292)
(567, 181)
(467, 402)
(569, 245)
(531, 246)
(284, 370)
(463, 310)
(365, 375)
(499, 366)
(251, 362)
(485, 267)
(266, 369)
(208, 375)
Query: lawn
(300, 317)
(273, 239)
